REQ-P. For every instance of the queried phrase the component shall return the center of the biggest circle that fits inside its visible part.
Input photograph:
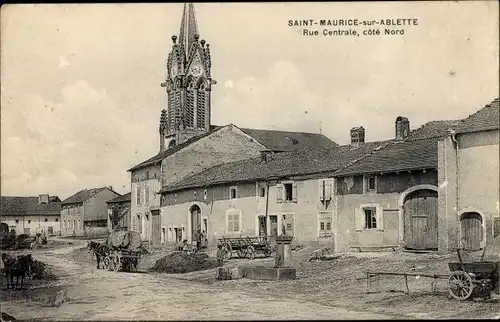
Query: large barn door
(421, 220)
(471, 226)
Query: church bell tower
(188, 85)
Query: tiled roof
(120, 199)
(278, 141)
(485, 119)
(82, 195)
(418, 151)
(29, 206)
(289, 141)
(282, 165)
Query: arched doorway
(420, 216)
(471, 230)
(195, 220)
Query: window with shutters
(370, 218)
(286, 192)
(146, 195)
(233, 219)
(200, 107)
(190, 97)
(325, 189)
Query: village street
(103, 295)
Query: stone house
(30, 215)
(119, 213)
(469, 183)
(351, 195)
(86, 213)
(390, 197)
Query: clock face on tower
(196, 69)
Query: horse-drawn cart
(125, 250)
(477, 279)
(245, 246)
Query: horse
(99, 250)
(17, 267)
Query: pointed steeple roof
(189, 28)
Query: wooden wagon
(245, 246)
(125, 250)
(476, 279)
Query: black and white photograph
(250, 161)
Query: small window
(17, 221)
(194, 194)
(371, 183)
(233, 193)
(46, 219)
(175, 197)
(29, 221)
(370, 218)
(163, 199)
(57, 219)
(322, 226)
(262, 192)
(205, 194)
(288, 191)
(328, 226)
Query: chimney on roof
(402, 128)
(42, 199)
(357, 136)
(266, 155)
(110, 187)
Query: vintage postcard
(250, 161)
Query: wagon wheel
(228, 251)
(115, 262)
(251, 252)
(242, 252)
(460, 285)
(105, 263)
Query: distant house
(468, 182)
(119, 213)
(86, 212)
(30, 215)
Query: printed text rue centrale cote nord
(354, 27)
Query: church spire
(189, 28)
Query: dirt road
(98, 294)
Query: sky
(80, 83)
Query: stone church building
(188, 142)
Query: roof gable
(83, 195)
(278, 141)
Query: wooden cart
(245, 246)
(476, 279)
(125, 250)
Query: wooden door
(195, 221)
(471, 228)
(156, 228)
(421, 220)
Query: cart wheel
(460, 285)
(251, 252)
(242, 253)
(268, 252)
(105, 263)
